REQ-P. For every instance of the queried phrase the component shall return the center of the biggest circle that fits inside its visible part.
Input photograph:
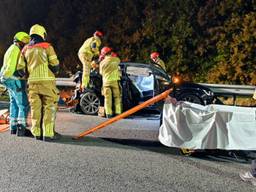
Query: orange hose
(2, 121)
(4, 129)
(126, 113)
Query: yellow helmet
(22, 37)
(38, 30)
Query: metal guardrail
(65, 82)
(231, 90)
(218, 89)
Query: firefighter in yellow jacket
(40, 61)
(156, 59)
(109, 69)
(89, 49)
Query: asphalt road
(125, 156)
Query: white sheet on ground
(194, 126)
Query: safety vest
(91, 46)
(161, 63)
(109, 69)
(10, 61)
(36, 59)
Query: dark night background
(203, 40)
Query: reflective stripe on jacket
(161, 63)
(10, 61)
(91, 46)
(36, 60)
(109, 69)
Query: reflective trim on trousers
(13, 123)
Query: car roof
(133, 63)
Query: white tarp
(194, 126)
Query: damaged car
(140, 82)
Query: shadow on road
(133, 144)
(157, 147)
(239, 156)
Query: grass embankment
(240, 101)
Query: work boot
(21, 131)
(56, 137)
(38, 137)
(13, 131)
(28, 133)
(248, 177)
(109, 116)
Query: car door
(162, 81)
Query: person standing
(250, 176)
(15, 85)
(156, 59)
(40, 61)
(86, 53)
(109, 69)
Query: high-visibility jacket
(37, 59)
(161, 63)
(109, 69)
(91, 47)
(10, 61)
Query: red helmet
(113, 54)
(105, 50)
(98, 33)
(154, 55)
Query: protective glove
(94, 65)
(19, 73)
(54, 69)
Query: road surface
(126, 156)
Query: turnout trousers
(112, 91)
(86, 60)
(43, 98)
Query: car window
(141, 77)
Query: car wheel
(190, 98)
(90, 103)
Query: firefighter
(16, 86)
(86, 54)
(40, 61)
(109, 69)
(155, 58)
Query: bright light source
(176, 80)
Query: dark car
(141, 82)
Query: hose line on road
(4, 128)
(151, 101)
